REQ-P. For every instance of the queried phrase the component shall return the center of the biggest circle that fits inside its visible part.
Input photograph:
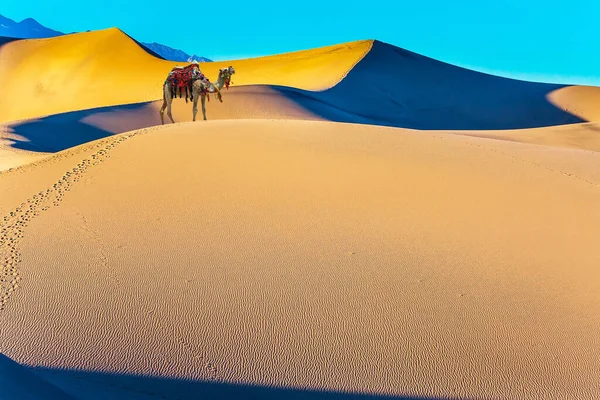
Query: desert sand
(325, 235)
(105, 68)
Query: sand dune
(585, 136)
(38, 137)
(313, 256)
(100, 83)
(106, 68)
(366, 82)
(582, 101)
(395, 87)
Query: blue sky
(542, 40)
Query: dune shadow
(97, 385)
(4, 40)
(62, 131)
(391, 86)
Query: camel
(201, 88)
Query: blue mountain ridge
(29, 28)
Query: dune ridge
(581, 101)
(111, 69)
(364, 81)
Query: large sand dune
(41, 77)
(378, 84)
(394, 87)
(311, 256)
(96, 84)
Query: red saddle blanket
(184, 77)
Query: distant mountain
(197, 58)
(174, 54)
(27, 29)
(31, 29)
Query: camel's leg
(218, 94)
(204, 105)
(195, 106)
(169, 102)
(162, 112)
(166, 95)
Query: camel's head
(226, 74)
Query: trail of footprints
(12, 226)
(210, 369)
(93, 235)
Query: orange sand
(585, 136)
(582, 101)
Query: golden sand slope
(582, 101)
(584, 136)
(85, 70)
(311, 255)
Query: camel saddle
(182, 78)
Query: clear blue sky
(542, 40)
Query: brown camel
(201, 88)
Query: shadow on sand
(394, 87)
(4, 40)
(23, 382)
(62, 131)
(94, 385)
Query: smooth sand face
(102, 68)
(581, 101)
(585, 136)
(11, 159)
(311, 255)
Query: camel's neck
(220, 82)
(218, 85)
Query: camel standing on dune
(201, 87)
